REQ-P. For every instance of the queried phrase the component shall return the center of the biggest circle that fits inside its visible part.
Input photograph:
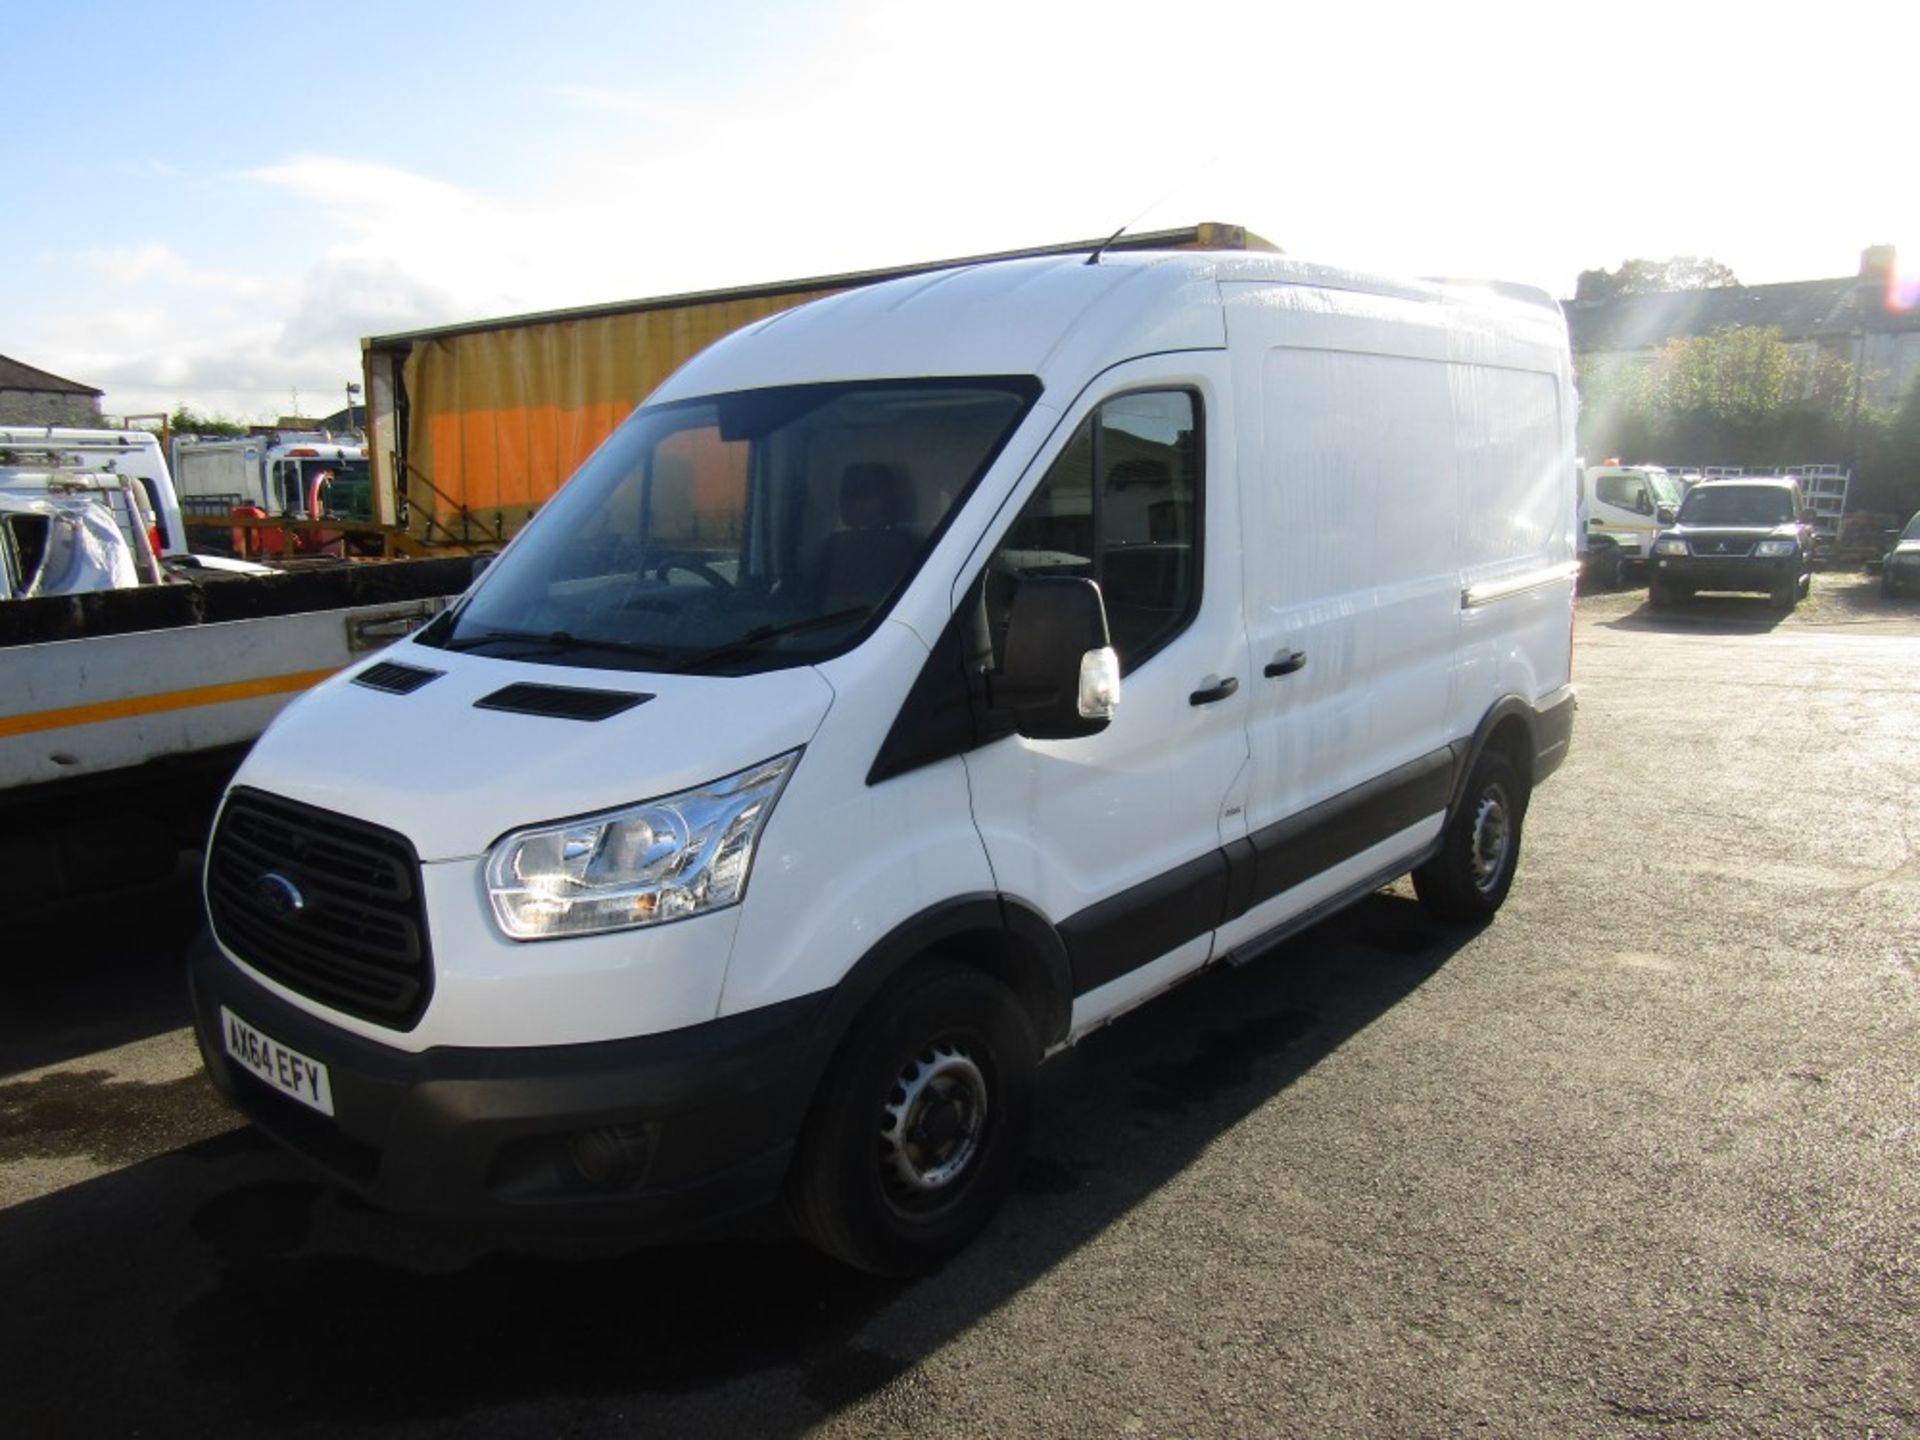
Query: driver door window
(1121, 507)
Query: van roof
(1038, 315)
(69, 437)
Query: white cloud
(1502, 140)
(153, 264)
(133, 266)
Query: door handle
(1286, 665)
(1216, 692)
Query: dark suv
(1900, 571)
(1745, 534)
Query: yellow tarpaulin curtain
(501, 418)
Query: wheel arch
(996, 934)
(1508, 726)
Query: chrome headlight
(1775, 548)
(661, 860)
(1669, 546)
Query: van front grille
(327, 905)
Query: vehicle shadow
(87, 974)
(283, 1303)
(1705, 615)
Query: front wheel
(920, 1125)
(1786, 595)
(1480, 847)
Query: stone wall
(45, 407)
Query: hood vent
(395, 678)
(561, 702)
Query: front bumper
(1743, 572)
(703, 1118)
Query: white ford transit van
(918, 680)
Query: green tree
(1889, 476)
(1742, 396)
(185, 421)
(1654, 277)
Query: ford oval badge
(278, 896)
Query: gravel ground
(1639, 1159)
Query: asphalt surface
(1639, 1159)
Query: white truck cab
(918, 680)
(1626, 507)
(299, 475)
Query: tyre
(1660, 594)
(1786, 595)
(920, 1123)
(1480, 847)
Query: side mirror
(1643, 502)
(1060, 678)
(1664, 515)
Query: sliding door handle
(1214, 692)
(1286, 665)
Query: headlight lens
(662, 860)
(1775, 547)
(1670, 547)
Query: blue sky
(213, 203)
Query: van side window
(1120, 506)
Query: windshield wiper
(560, 641)
(761, 636)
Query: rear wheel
(1480, 847)
(920, 1125)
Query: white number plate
(288, 1071)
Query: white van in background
(1625, 506)
(39, 450)
(920, 679)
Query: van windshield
(742, 532)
